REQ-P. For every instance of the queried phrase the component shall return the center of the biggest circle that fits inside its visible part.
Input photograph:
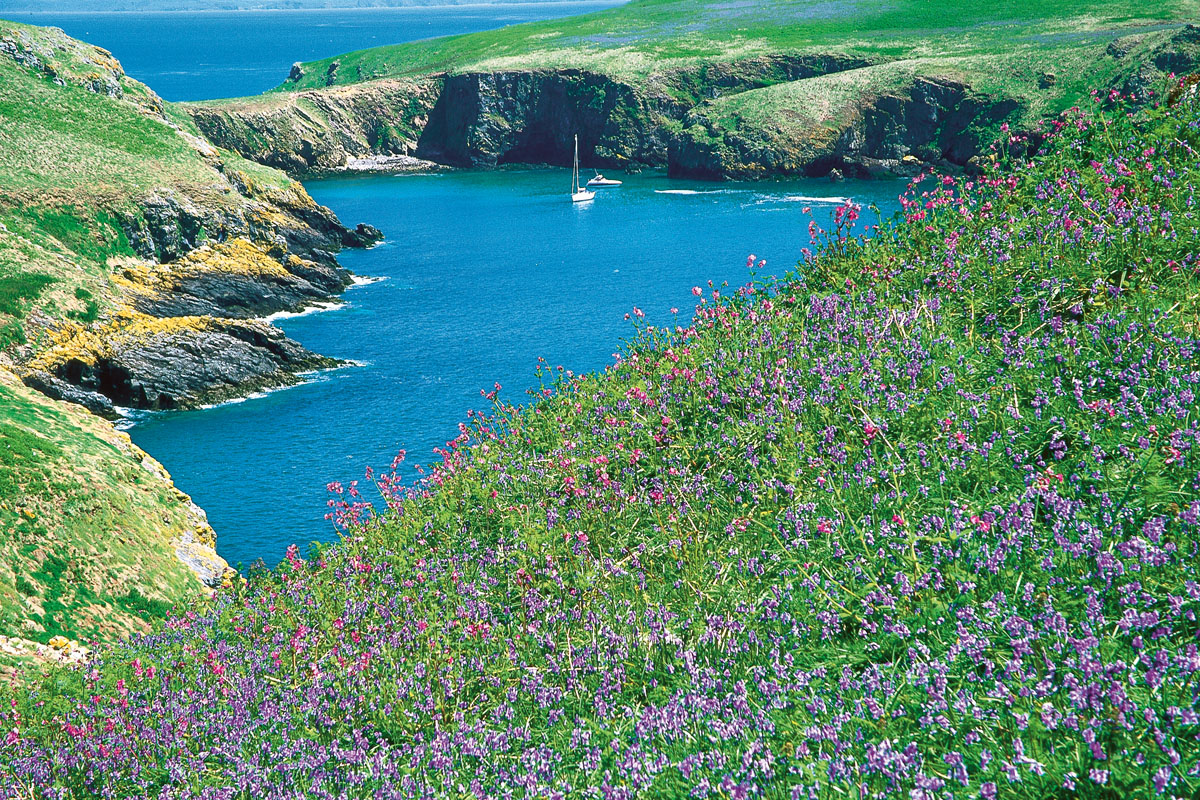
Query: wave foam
(315, 308)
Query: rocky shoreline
(201, 260)
(390, 163)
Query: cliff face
(485, 119)
(926, 121)
(320, 130)
(490, 118)
(779, 114)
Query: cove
(483, 272)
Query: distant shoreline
(411, 7)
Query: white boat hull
(605, 182)
(580, 196)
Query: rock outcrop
(177, 362)
(185, 333)
(199, 242)
(928, 121)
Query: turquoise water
(483, 272)
(197, 55)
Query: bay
(483, 272)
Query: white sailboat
(578, 193)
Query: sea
(481, 274)
(203, 55)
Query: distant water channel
(199, 55)
(482, 273)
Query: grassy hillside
(919, 520)
(81, 146)
(717, 89)
(93, 530)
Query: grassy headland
(716, 89)
(919, 520)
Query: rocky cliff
(321, 130)
(148, 250)
(768, 115)
(488, 118)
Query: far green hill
(718, 88)
(648, 36)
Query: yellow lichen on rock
(71, 341)
(240, 256)
(104, 59)
(90, 345)
(237, 256)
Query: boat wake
(697, 191)
(801, 198)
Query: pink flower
(983, 524)
(697, 291)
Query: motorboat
(600, 180)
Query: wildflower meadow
(918, 519)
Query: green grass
(16, 291)
(69, 143)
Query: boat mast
(575, 168)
